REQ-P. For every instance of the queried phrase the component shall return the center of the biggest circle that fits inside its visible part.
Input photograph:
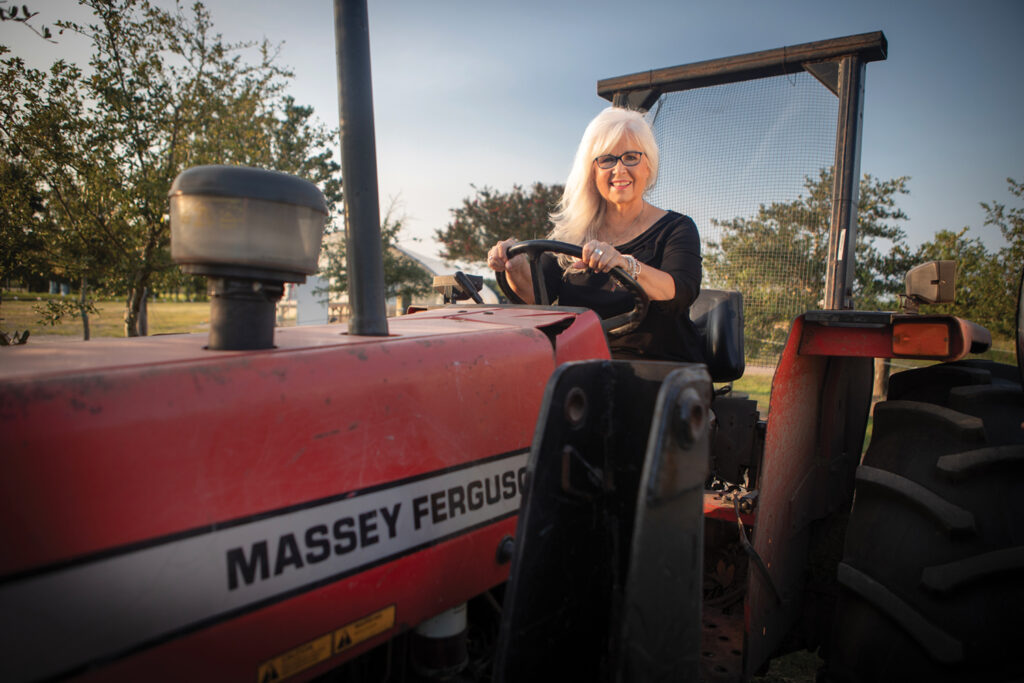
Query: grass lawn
(759, 387)
(757, 382)
(1002, 351)
(164, 318)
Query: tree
(986, 283)
(23, 15)
(20, 243)
(778, 257)
(979, 286)
(403, 277)
(164, 93)
(55, 214)
(1010, 222)
(490, 216)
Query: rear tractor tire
(932, 579)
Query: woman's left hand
(601, 256)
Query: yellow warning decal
(326, 646)
(364, 629)
(296, 660)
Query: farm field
(164, 318)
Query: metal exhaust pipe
(359, 170)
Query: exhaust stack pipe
(359, 170)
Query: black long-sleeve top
(667, 333)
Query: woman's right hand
(517, 268)
(497, 256)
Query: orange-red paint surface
(111, 443)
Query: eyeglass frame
(618, 159)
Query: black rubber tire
(932, 579)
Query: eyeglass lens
(607, 161)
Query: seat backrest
(718, 316)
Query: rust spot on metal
(81, 405)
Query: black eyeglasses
(607, 161)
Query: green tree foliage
(1010, 221)
(978, 281)
(56, 218)
(20, 201)
(986, 283)
(163, 92)
(22, 14)
(490, 216)
(778, 257)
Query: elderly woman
(604, 210)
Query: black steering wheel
(614, 326)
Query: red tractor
(473, 492)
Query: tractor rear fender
(871, 334)
(820, 400)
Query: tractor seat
(718, 316)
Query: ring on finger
(599, 252)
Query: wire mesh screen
(751, 163)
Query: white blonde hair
(582, 208)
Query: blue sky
(497, 93)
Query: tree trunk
(140, 285)
(144, 313)
(133, 315)
(881, 387)
(130, 316)
(84, 310)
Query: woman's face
(622, 185)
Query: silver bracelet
(634, 266)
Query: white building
(310, 303)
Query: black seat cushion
(718, 316)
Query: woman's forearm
(517, 272)
(659, 285)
